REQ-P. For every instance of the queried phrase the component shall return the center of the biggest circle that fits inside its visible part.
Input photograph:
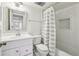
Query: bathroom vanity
(17, 46)
(21, 46)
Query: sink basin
(13, 37)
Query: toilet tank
(37, 40)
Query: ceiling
(38, 6)
(56, 5)
(61, 5)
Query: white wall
(34, 20)
(0, 14)
(68, 40)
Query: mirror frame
(6, 20)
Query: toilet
(41, 49)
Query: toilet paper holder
(1, 44)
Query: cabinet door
(0, 51)
(17, 43)
(11, 52)
(26, 51)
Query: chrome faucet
(18, 34)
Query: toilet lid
(42, 47)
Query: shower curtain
(49, 30)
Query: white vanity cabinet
(0, 51)
(23, 47)
(22, 51)
(26, 51)
(11, 52)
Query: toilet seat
(42, 47)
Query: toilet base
(36, 53)
(39, 54)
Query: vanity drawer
(26, 50)
(11, 52)
(17, 43)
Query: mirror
(14, 20)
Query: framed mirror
(14, 20)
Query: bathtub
(61, 53)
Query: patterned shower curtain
(49, 30)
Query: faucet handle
(18, 34)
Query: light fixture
(18, 4)
(40, 3)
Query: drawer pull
(26, 50)
(17, 51)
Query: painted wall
(68, 39)
(34, 20)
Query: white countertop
(22, 36)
